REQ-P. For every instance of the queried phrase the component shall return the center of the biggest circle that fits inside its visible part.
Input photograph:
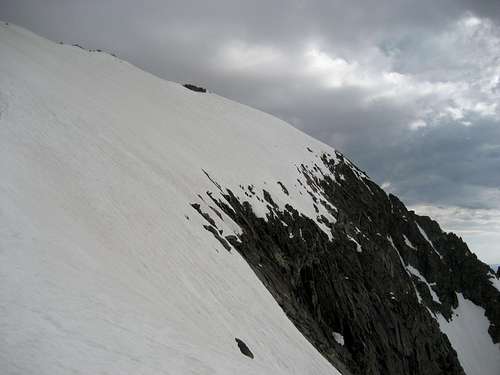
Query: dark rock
(217, 235)
(329, 285)
(268, 199)
(206, 216)
(285, 190)
(194, 88)
(244, 348)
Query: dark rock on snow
(244, 348)
(194, 88)
(366, 294)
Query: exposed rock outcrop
(377, 280)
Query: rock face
(377, 280)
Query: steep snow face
(104, 265)
(468, 334)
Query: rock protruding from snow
(244, 348)
(144, 224)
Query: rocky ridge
(377, 280)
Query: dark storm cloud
(407, 89)
(448, 165)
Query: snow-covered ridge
(113, 242)
(104, 265)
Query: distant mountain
(149, 228)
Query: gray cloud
(409, 90)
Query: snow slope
(104, 265)
(468, 334)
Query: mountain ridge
(173, 204)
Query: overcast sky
(409, 90)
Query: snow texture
(105, 267)
(408, 242)
(468, 334)
(359, 249)
(338, 337)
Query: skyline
(407, 91)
